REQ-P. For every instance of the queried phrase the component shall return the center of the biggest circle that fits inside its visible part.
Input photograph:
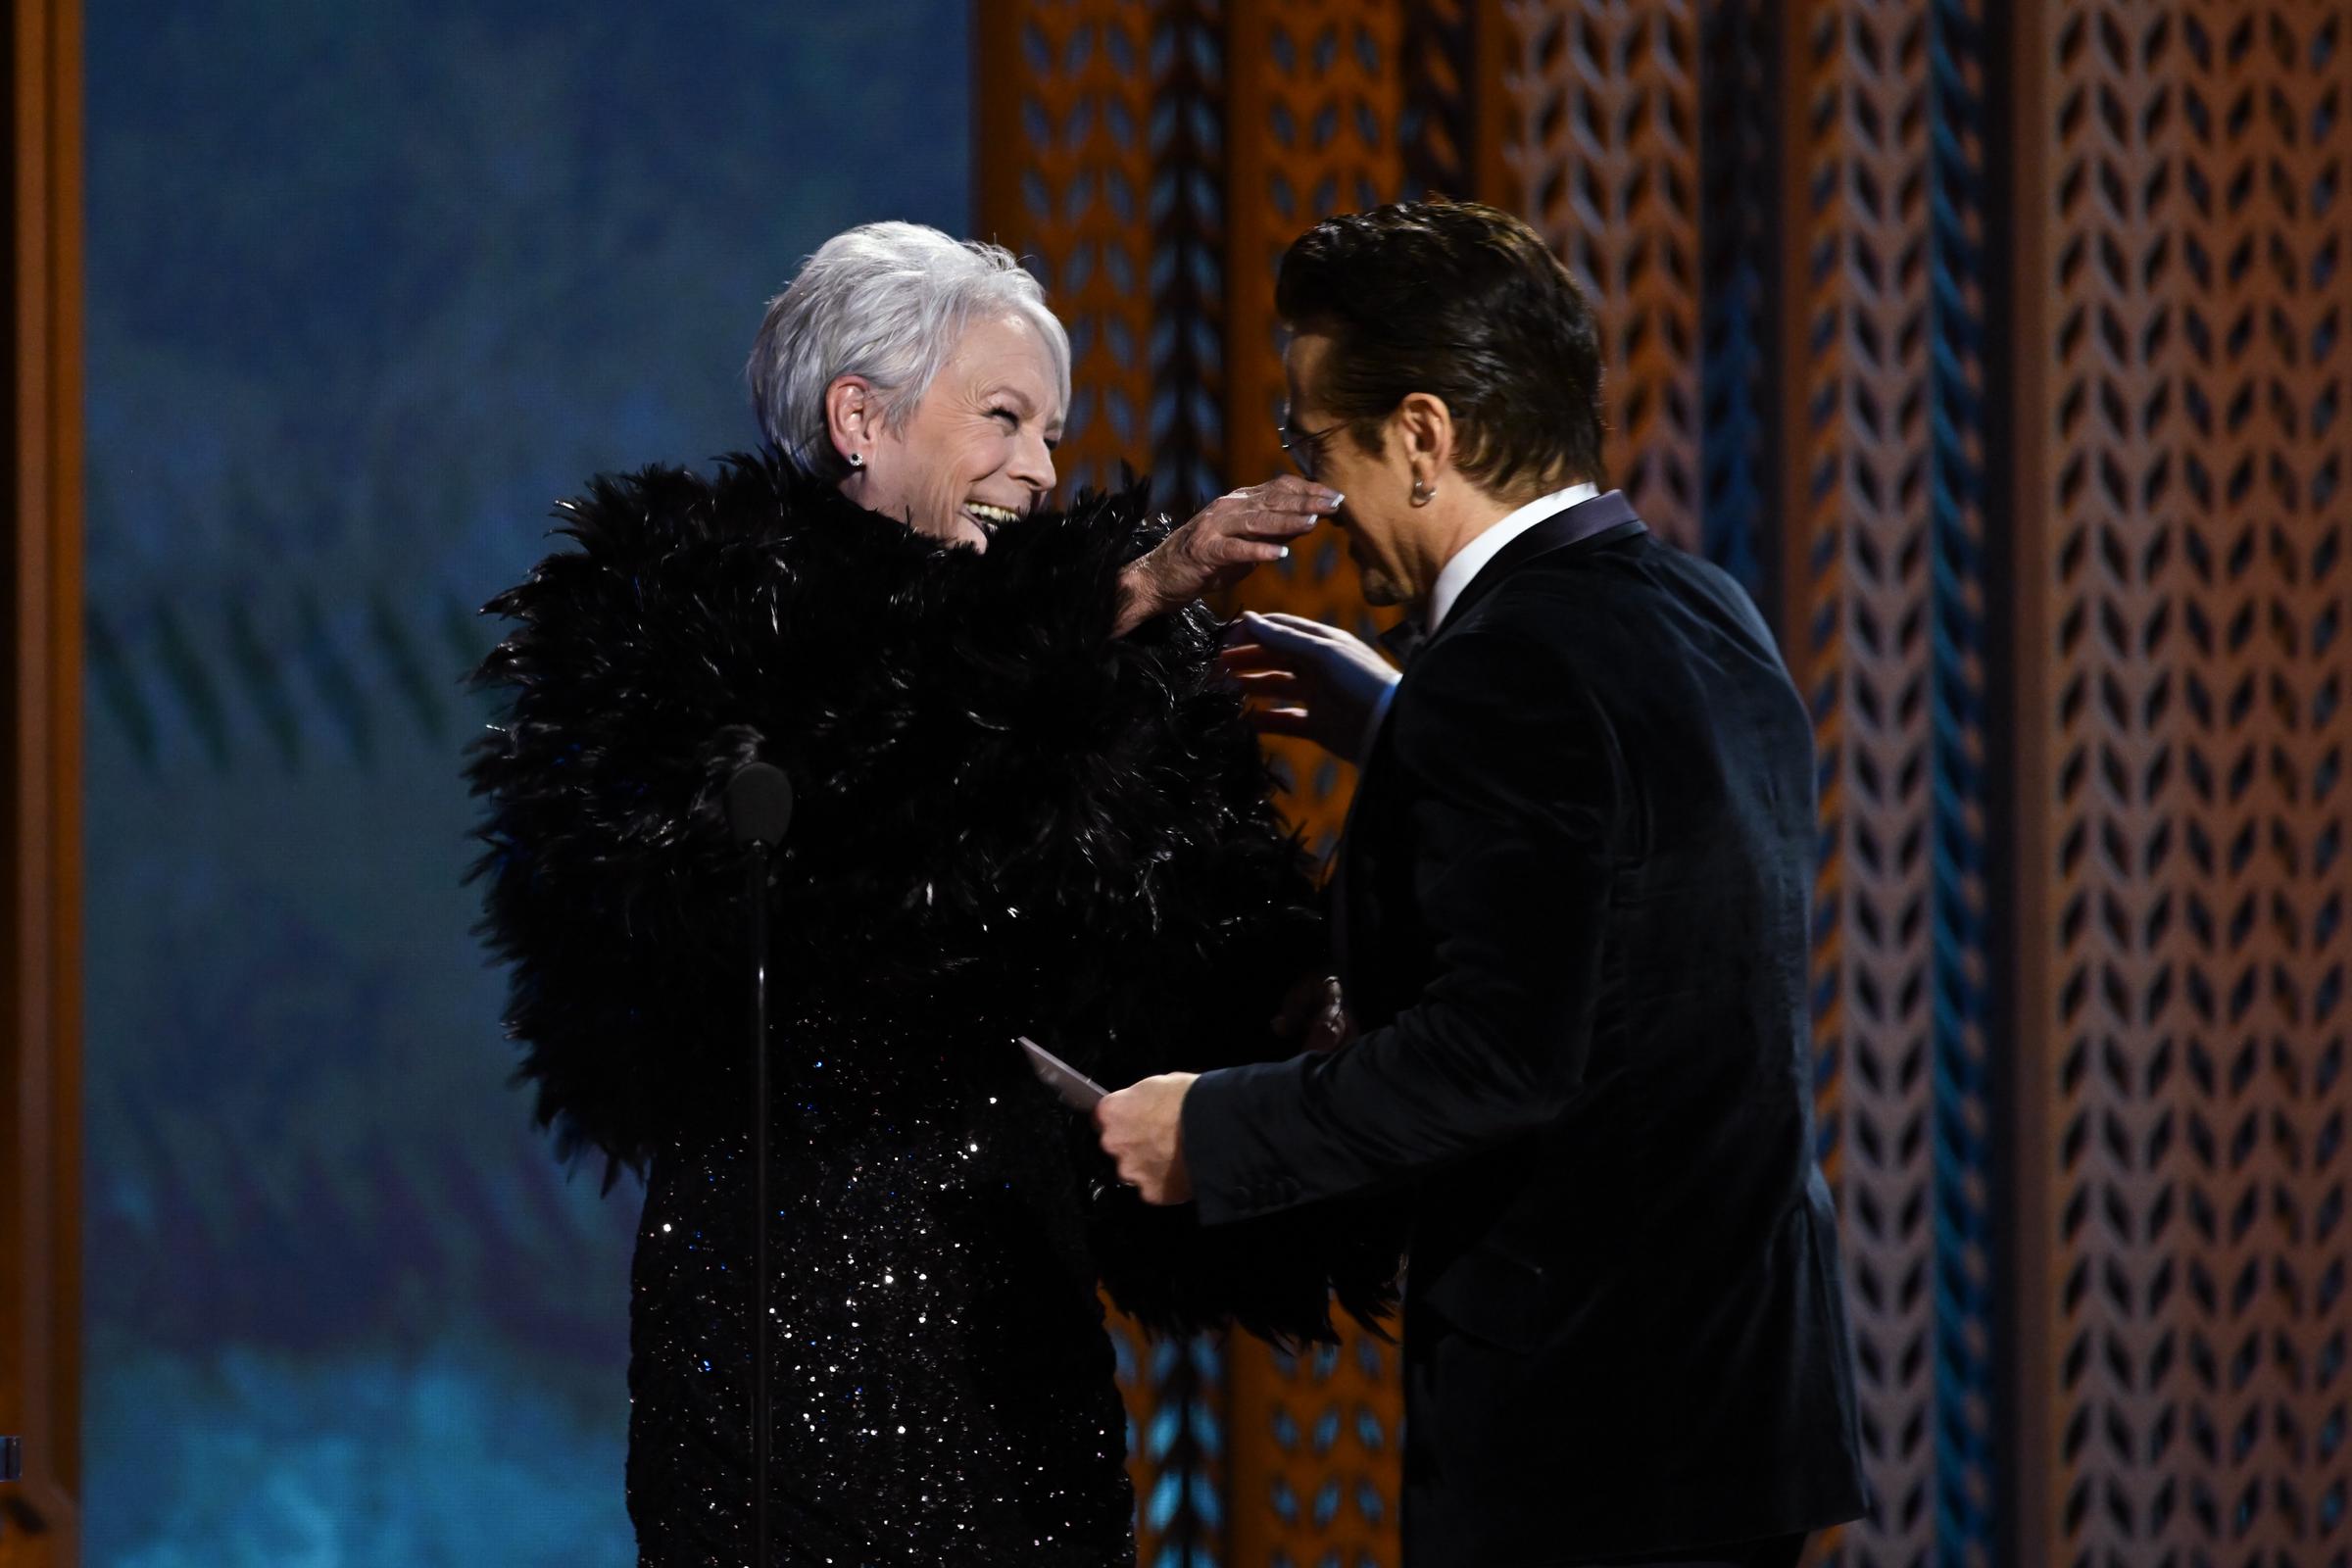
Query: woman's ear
(851, 418)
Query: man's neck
(1449, 534)
(1475, 548)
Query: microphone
(759, 804)
(758, 811)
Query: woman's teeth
(990, 519)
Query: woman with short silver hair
(1024, 806)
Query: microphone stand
(759, 811)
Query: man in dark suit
(1571, 912)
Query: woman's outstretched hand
(1307, 679)
(1231, 537)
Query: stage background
(2000, 349)
(368, 288)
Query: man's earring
(856, 460)
(1424, 494)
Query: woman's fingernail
(1286, 552)
(1336, 497)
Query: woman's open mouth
(988, 519)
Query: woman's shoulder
(746, 498)
(682, 516)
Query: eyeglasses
(1305, 447)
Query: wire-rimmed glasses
(1304, 447)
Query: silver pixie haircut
(887, 302)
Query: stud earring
(856, 460)
(1424, 494)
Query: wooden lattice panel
(1072, 166)
(1855, 498)
(1603, 142)
(2162, 345)
(2183, 674)
(1154, 165)
(1970, 1209)
(1316, 88)
(1455, 114)
(1328, 1467)
(1065, 179)
(1595, 115)
(1316, 92)
(1741, 213)
(1188, 264)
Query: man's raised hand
(1307, 679)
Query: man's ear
(1426, 425)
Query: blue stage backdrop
(370, 287)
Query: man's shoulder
(1633, 598)
(1516, 661)
(1572, 604)
(1598, 640)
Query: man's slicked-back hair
(1465, 302)
(887, 302)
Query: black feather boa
(1007, 821)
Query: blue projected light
(370, 287)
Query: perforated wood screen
(1999, 351)
(2181, 673)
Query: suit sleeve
(1516, 819)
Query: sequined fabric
(942, 1381)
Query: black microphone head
(760, 804)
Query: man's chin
(1379, 590)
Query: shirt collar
(1459, 572)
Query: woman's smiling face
(977, 452)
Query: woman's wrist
(1142, 593)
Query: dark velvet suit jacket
(1573, 914)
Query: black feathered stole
(1007, 821)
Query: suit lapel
(1351, 840)
(1603, 517)
(1608, 515)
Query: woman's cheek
(991, 459)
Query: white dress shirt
(1458, 575)
(1469, 561)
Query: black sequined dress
(1007, 822)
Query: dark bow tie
(1404, 640)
